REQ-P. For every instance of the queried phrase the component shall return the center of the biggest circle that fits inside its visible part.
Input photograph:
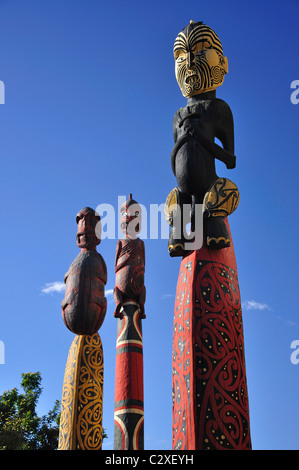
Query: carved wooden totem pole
(129, 296)
(210, 400)
(83, 312)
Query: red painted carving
(210, 399)
(130, 259)
(84, 306)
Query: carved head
(89, 229)
(199, 62)
(130, 218)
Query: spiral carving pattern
(222, 199)
(68, 401)
(217, 75)
(210, 401)
(221, 389)
(82, 396)
(181, 400)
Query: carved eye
(180, 59)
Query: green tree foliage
(20, 427)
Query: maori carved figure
(83, 311)
(200, 68)
(130, 260)
(129, 296)
(84, 306)
(210, 398)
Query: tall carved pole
(129, 296)
(83, 311)
(210, 399)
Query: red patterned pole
(129, 296)
(210, 399)
(128, 406)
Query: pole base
(82, 396)
(210, 399)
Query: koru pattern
(209, 377)
(82, 396)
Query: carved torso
(84, 305)
(195, 126)
(129, 266)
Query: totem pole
(210, 400)
(83, 311)
(129, 296)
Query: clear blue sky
(90, 95)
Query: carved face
(130, 218)
(89, 229)
(199, 62)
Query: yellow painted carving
(170, 206)
(222, 199)
(199, 62)
(82, 396)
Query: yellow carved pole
(82, 395)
